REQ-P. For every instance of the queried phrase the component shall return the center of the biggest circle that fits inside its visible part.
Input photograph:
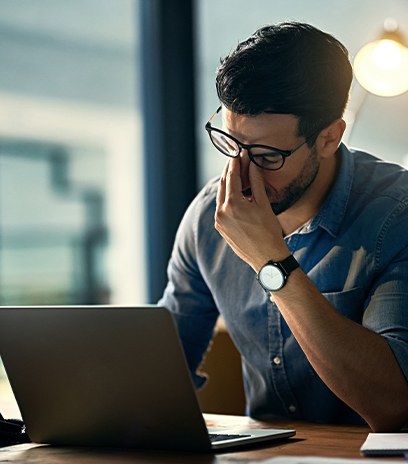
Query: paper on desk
(320, 460)
(385, 444)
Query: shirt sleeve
(387, 310)
(187, 295)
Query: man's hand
(248, 224)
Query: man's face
(287, 185)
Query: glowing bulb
(381, 67)
(387, 54)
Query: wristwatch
(273, 275)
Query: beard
(282, 200)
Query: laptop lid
(104, 376)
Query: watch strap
(287, 265)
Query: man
(302, 248)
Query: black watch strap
(288, 265)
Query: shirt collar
(331, 214)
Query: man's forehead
(259, 126)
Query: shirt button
(292, 408)
(277, 360)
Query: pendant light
(381, 66)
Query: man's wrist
(270, 255)
(274, 274)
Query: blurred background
(102, 140)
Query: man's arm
(187, 295)
(355, 363)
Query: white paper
(321, 460)
(381, 443)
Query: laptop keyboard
(220, 436)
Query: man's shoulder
(211, 187)
(207, 195)
(202, 208)
(377, 178)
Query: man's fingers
(233, 178)
(222, 186)
(257, 185)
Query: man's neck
(309, 205)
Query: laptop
(108, 376)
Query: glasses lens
(224, 144)
(267, 159)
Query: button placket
(278, 371)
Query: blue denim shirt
(355, 250)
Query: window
(71, 188)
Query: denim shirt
(355, 250)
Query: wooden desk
(311, 439)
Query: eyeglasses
(264, 156)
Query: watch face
(271, 277)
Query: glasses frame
(284, 153)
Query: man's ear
(330, 137)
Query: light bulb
(387, 55)
(381, 67)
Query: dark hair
(290, 68)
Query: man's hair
(288, 68)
